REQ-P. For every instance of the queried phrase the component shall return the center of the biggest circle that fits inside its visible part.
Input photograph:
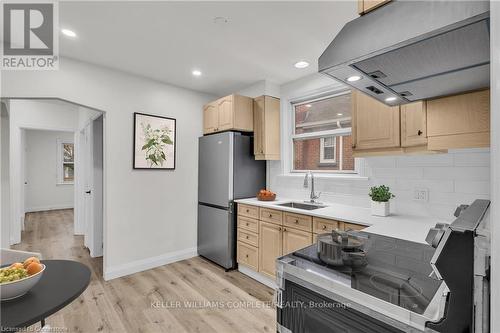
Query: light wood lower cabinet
(270, 247)
(277, 233)
(248, 255)
(294, 239)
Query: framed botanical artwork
(154, 142)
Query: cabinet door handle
(420, 132)
(262, 151)
(284, 229)
(279, 228)
(246, 255)
(248, 210)
(297, 221)
(270, 215)
(324, 227)
(247, 236)
(247, 224)
(354, 146)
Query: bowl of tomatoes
(18, 278)
(266, 195)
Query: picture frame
(155, 142)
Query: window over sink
(321, 137)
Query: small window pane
(68, 152)
(307, 155)
(326, 114)
(68, 172)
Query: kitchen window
(321, 137)
(66, 162)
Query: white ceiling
(167, 40)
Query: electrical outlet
(421, 194)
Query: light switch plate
(421, 194)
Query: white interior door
(87, 186)
(93, 187)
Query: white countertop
(407, 227)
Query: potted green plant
(380, 200)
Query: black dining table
(61, 283)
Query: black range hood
(407, 51)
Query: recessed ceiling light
(196, 72)
(301, 64)
(354, 78)
(69, 33)
(340, 114)
(390, 99)
(308, 105)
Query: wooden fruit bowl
(266, 198)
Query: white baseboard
(148, 263)
(46, 208)
(258, 277)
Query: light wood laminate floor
(171, 298)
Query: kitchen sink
(301, 205)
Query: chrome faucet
(313, 196)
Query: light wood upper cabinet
(364, 6)
(210, 118)
(266, 128)
(374, 124)
(414, 124)
(460, 121)
(294, 239)
(270, 247)
(228, 113)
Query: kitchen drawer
(352, 226)
(248, 224)
(297, 221)
(271, 215)
(248, 255)
(321, 226)
(248, 211)
(248, 237)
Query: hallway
(142, 302)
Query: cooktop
(397, 271)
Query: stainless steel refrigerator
(227, 170)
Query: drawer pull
(247, 236)
(297, 221)
(246, 255)
(270, 215)
(247, 224)
(324, 226)
(248, 210)
(279, 228)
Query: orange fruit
(34, 268)
(16, 265)
(30, 260)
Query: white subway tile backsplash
(468, 186)
(472, 159)
(468, 173)
(452, 179)
(424, 160)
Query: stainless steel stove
(405, 286)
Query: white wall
(43, 190)
(452, 179)
(31, 114)
(5, 179)
(263, 87)
(495, 162)
(150, 216)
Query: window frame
(318, 135)
(322, 159)
(60, 162)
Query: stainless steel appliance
(412, 50)
(405, 286)
(227, 170)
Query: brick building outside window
(322, 135)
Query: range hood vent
(412, 50)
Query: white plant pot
(380, 208)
